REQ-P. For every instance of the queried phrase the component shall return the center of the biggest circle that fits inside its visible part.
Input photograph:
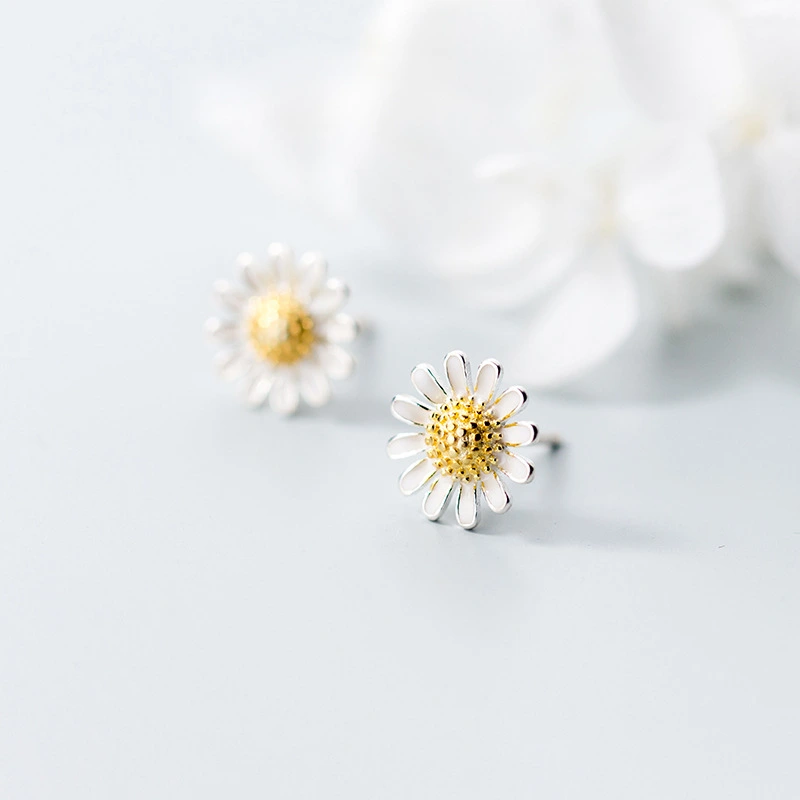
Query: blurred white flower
(504, 141)
(658, 204)
(732, 70)
(520, 138)
(284, 329)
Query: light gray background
(200, 602)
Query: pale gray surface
(200, 602)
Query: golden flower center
(279, 328)
(463, 439)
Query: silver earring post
(551, 440)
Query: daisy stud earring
(465, 438)
(283, 332)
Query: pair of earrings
(283, 341)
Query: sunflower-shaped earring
(467, 439)
(283, 339)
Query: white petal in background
(517, 284)
(222, 330)
(583, 323)
(778, 161)
(281, 264)
(571, 197)
(257, 388)
(232, 365)
(738, 258)
(252, 275)
(335, 360)
(284, 396)
(315, 388)
(671, 206)
(441, 106)
(229, 296)
(681, 59)
(312, 270)
(329, 298)
(770, 33)
(339, 328)
(287, 126)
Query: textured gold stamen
(463, 439)
(279, 328)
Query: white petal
(330, 298)
(314, 385)
(232, 365)
(519, 469)
(583, 323)
(431, 118)
(416, 476)
(405, 444)
(229, 296)
(509, 403)
(738, 259)
(523, 280)
(222, 330)
(467, 505)
(312, 271)
(258, 388)
(436, 499)
(339, 328)
(407, 409)
(283, 132)
(255, 278)
(671, 206)
(489, 374)
(778, 160)
(770, 31)
(284, 395)
(337, 362)
(427, 384)
(280, 263)
(680, 58)
(518, 434)
(495, 493)
(456, 368)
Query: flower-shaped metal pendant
(465, 436)
(283, 339)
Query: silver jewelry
(465, 437)
(282, 338)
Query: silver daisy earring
(467, 439)
(283, 337)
